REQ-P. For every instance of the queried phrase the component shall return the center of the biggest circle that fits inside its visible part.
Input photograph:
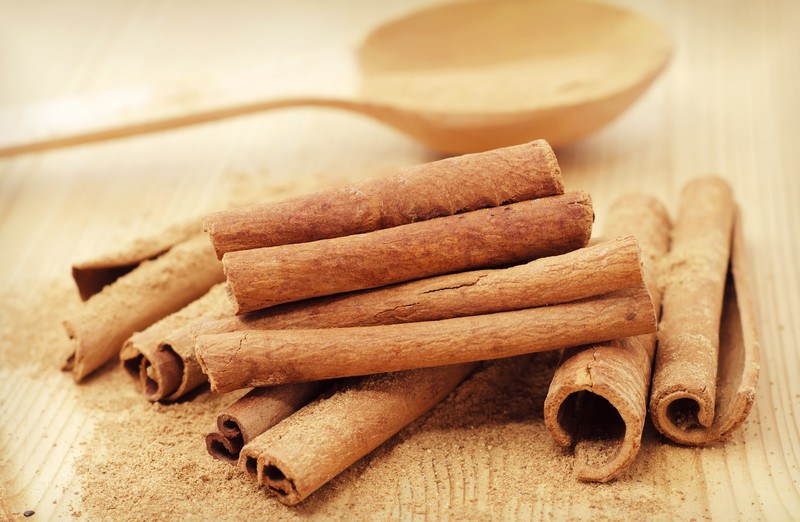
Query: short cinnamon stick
(441, 188)
(268, 357)
(598, 397)
(92, 275)
(699, 397)
(151, 291)
(265, 277)
(150, 358)
(254, 413)
(300, 454)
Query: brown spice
(150, 292)
(267, 357)
(160, 357)
(418, 193)
(693, 277)
(597, 401)
(516, 233)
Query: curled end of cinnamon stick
(248, 462)
(156, 373)
(597, 413)
(161, 374)
(274, 475)
(223, 448)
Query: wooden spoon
(461, 77)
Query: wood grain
(726, 105)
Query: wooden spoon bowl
(462, 77)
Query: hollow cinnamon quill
(441, 188)
(268, 357)
(254, 413)
(265, 277)
(150, 356)
(701, 394)
(91, 275)
(153, 290)
(598, 396)
(300, 454)
(586, 272)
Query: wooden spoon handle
(327, 77)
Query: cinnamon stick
(92, 275)
(699, 396)
(303, 452)
(254, 413)
(150, 358)
(151, 291)
(597, 401)
(265, 277)
(419, 193)
(268, 357)
(586, 272)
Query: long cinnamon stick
(586, 272)
(151, 291)
(685, 395)
(254, 413)
(300, 454)
(598, 397)
(441, 188)
(263, 358)
(265, 277)
(92, 275)
(149, 356)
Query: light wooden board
(728, 104)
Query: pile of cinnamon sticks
(350, 312)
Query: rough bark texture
(268, 357)
(586, 272)
(150, 292)
(440, 188)
(736, 373)
(265, 277)
(306, 450)
(92, 275)
(617, 371)
(693, 281)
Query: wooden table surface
(727, 104)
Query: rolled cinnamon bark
(598, 397)
(686, 385)
(440, 188)
(265, 277)
(151, 291)
(150, 358)
(254, 413)
(303, 452)
(92, 275)
(268, 357)
(586, 272)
